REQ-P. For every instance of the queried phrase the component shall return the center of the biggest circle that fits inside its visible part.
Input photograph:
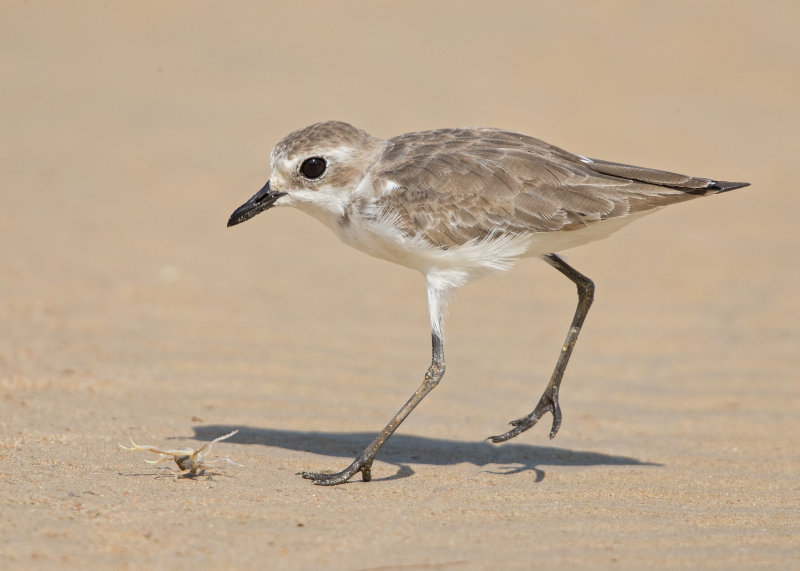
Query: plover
(456, 204)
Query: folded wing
(455, 185)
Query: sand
(132, 130)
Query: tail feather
(686, 183)
(722, 186)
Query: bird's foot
(359, 465)
(548, 403)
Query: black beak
(259, 202)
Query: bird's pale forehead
(329, 136)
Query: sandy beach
(129, 311)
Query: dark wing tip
(690, 184)
(722, 186)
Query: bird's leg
(363, 463)
(434, 374)
(549, 400)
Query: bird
(457, 204)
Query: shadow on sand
(403, 449)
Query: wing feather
(456, 185)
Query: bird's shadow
(402, 450)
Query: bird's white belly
(381, 239)
(542, 243)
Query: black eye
(313, 167)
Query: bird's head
(316, 169)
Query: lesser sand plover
(456, 204)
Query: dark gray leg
(363, 463)
(549, 400)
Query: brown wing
(456, 185)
